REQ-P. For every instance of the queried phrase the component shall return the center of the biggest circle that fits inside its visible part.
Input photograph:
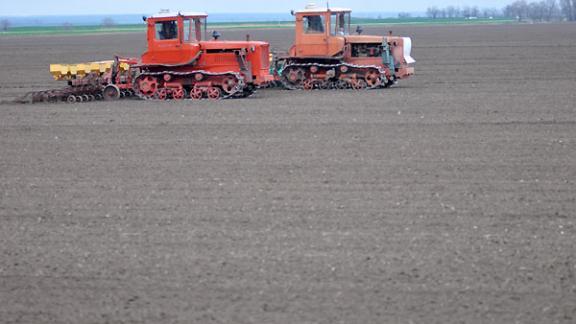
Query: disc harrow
(69, 94)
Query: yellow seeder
(64, 72)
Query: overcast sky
(87, 7)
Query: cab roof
(312, 8)
(176, 14)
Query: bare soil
(450, 198)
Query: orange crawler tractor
(327, 56)
(181, 64)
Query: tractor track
(237, 93)
(335, 83)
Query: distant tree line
(464, 12)
(568, 8)
(544, 10)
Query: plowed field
(450, 198)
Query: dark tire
(111, 92)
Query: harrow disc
(111, 92)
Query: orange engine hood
(364, 39)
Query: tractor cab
(173, 38)
(321, 32)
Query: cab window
(200, 27)
(188, 30)
(166, 30)
(314, 24)
(193, 29)
(340, 24)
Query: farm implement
(88, 82)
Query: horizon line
(209, 13)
